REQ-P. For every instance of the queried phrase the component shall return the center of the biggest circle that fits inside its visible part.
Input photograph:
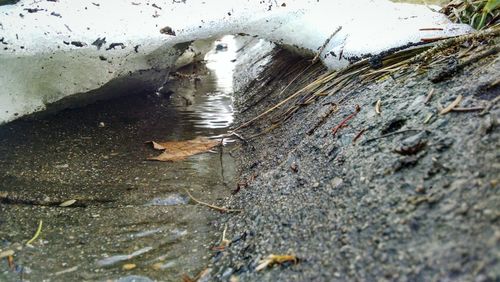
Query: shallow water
(127, 210)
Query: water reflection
(216, 110)
(130, 210)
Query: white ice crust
(46, 50)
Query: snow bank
(57, 48)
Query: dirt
(408, 194)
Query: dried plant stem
(452, 105)
(211, 206)
(316, 58)
(37, 233)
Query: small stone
(67, 203)
(7, 253)
(420, 189)
(102, 124)
(129, 266)
(336, 182)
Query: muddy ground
(407, 194)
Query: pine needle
(211, 206)
(37, 233)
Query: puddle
(127, 210)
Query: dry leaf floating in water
(180, 150)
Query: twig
(391, 134)
(358, 135)
(68, 270)
(224, 242)
(237, 135)
(490, 106)
(451, 106)
(332, 109)
(209, 205)
(37, 233)
(431, 28)
(429, 96)
(434, 39)
(315, 59)
(453, 41)
(471, 109)
(344, 122)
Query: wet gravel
(421, 203)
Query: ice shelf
(50, 50)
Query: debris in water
(71, 269)
(180, 150)
(211, 206)
(276, 259)
(114, 259)
(37, 233)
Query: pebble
(129, 266)
(7, 253)
(67, 203)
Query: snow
(49, 49)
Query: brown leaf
(180, 150)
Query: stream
(132, 219)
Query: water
(127, 210)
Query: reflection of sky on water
(216, 111)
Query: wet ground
(407, 194)
(127, 210)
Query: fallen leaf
(276, 259)
(180, 150)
